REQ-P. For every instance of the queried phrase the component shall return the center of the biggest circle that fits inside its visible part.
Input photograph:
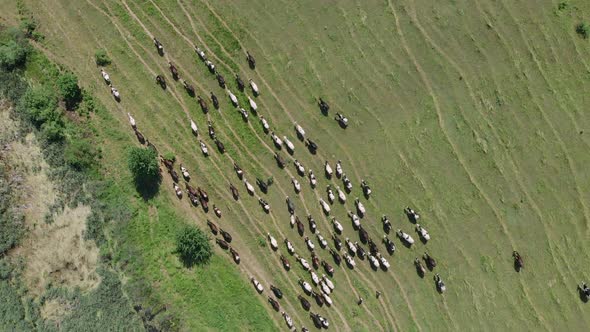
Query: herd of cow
(346, 250)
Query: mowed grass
(471, 112)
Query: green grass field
(472, 112)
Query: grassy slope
(214, 285)
(493, 160)
(214, 296)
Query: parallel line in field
(507, 48)
(512, 163)
(455, 149)
(563, 148)
(490, 125)
(390, 56)
(572, 38)
(274, 220)
(583, 139)
(260, 139)
(144, 63)
(219, 170)
(531, 92)
(548, 122)
(241, 204)
(546, 79)
(580, 81)
(308, 62)
(417, 177)
(562, 102)
(388, 312)
(286, 86)
(472, 179)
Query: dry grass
(55, 309)
(55, 253)
(38, 192)
(7, 126)
(23, 155)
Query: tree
(193, 246)
(12, 54)
(40, 103)
(67, 84)
(143, 164)
(14, 48)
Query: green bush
(12, 86)
(102, 58)
(5, 270)
(562, 5)
(28, 25)
(40, 106)
(169, 156)
(261, 241)
(67, 84)
(89, 104)
(143, 164)
(193, 246)
(53, 130)
(12, 312)
(14, 49)
(39, 103)
(583, 29)
(80, 154)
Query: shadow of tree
(148, 187)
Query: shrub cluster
(39, 105)
(28, 24)
(70, 92)
(102, 58)
(143, 164)
(583, 29)
(193, 246)
(69, 150)
(13, 49)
